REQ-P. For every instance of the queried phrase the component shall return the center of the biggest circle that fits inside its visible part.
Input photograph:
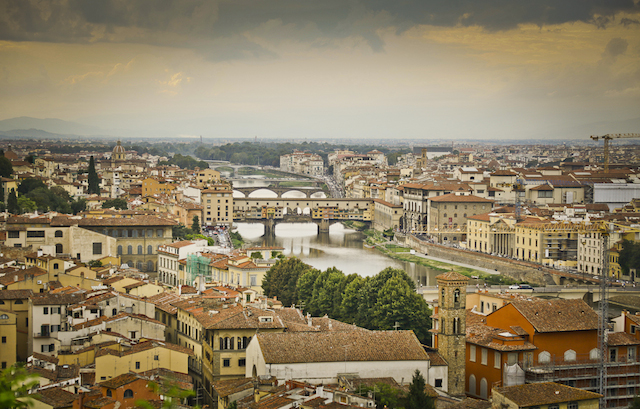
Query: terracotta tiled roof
(56, 397)
(470, 403)
(15, 294)
(52, 298)
(46, 358)
(120, 380)
(538, 394)
(452, 197)
(557, 315)
(621, 339)
(136, 220)
(451, 276)
(230, 386)
(299, 347)
(143, 346)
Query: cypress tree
(12, 203)
(94, 180)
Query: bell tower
(451, 332)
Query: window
(156, 357)
(4, 365)
(544, 357)
(119, 250)
(149, 249)
(97, 248)
(35, 233)
(485, 354)
(159, 233)
(613, 355)
(512, 357)
(129, 249)
(497, 359)
(128, 394)
(56, 266)
(472, 353)
(109, 394)
(456, 296)
(4, 340)
(545, 194)
(45, 310)
(242, 362)
(140, 249)
(554, 406)
(572, 405)
(58, 233)
(138, 365)
(226, 362)
(14, 234)
(570, 355)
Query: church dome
(118, 148)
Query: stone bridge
(307, 191)
(270, 224)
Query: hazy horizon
(292, 69)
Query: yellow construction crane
(606, 138)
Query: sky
(401, 69)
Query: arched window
(109, 394)
(128, 394)
(456, 323)
(594, 353)
(129, 249)
(139, 265)
(150, 266)
(442, 296)
(58, 233)
(4, 317)
(119, 250)
(456, 295)
(483, 388)
(149, 249)
(544, 357)
(58, 248)
(114, 311)
(140, 249)
(472, 385)
(570, 355)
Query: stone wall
(516, 269)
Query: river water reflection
(341, 248)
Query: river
(341, 248)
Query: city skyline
(383, 70)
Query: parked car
(520, 287)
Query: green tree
(629, 256)
(95, 263)
(256, 255)
(118, 204)
(417, 397)
(173, 394)
(384, 394)
(195, 226)
(30, 184)
(635, 404)
(26, 205)
(180, 232)
(6, 169)
(398, 303)
(78, 206)
(12, 203)
(93, 179)
(282, 278)
(15, 384)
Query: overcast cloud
(331, 68)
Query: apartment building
(218, 207)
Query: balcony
(44, 334)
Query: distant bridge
(306, 190)
(297, 210)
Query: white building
(302, 162)
(170, 269)
(320, 357)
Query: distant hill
(50, 125)
(584, 131)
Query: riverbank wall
(515, 269)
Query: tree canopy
(385, 301)
(118, 204)
(6, 169)
(417, 397)
(629, 256)
(93, 179)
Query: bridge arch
(238, 194)
(263, 193)
(294, 194)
